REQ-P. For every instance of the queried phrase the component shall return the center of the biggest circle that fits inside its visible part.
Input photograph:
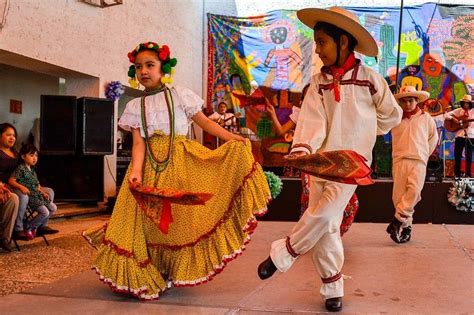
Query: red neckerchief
(338, 73)
(466, 112)
(409, 114)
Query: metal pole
(399, 43)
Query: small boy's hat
(411, 91)
(466, 98)
(344, 20)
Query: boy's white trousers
(408, 180)
(318, 230)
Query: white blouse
(186, 105)
(295, 113)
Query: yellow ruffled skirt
(135, 257)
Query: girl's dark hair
(336, 33)
(5, 126)
(28, 148)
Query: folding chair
(29, 215)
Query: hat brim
(421, 96)
(366, 44)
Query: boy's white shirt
(414, 138)
(351, 124)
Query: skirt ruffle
(135, 257)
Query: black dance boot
(394, 230)
(334, 304)
(405, 235)
(266, 269)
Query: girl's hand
(45, 195)
(24, 190)
(270, 109)
(135, 179)
(238, 138)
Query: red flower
(164, 53)
(131, 57)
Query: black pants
(459, 144)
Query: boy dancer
(346, 106)
(413, 141)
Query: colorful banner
(273, 55)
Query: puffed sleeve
(389, 114)
(295, 113)
(131, 117)
(190, 102)
(311, 128)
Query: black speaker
(95, 134)
(58, 124)
(73, 178)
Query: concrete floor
(432, 274)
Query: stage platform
(375, 204)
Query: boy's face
(465, 105)
(222, 108)
(148, 69)
(326, 47)
(408, 104)
(30, 158)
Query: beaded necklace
(159, 165)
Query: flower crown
(167, 63)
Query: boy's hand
(24, 190)
(294, 155)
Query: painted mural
(269, 58)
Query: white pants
(318, 228)
(408, 180)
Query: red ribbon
(338, 73)
(409, 114)
(165, 218)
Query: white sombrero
(345, 20)
(411, 91)
(466, 98)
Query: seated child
(24, 179)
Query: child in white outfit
(347, 104)
(413, 141)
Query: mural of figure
(237, 87)
(410, 45)
(282, 34)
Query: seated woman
(8, 162)
(8, 213)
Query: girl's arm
(279, 129)
(14, 184)
(138, 156)
(214, 129)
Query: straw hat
(411, 91)
(466, 98)
(345, 20)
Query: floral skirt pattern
(135, 257)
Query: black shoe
(405, 235)
(266, 269)
(394, 230)
(334, 304)
(42, 230)
(21, 235)
(5, 245)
